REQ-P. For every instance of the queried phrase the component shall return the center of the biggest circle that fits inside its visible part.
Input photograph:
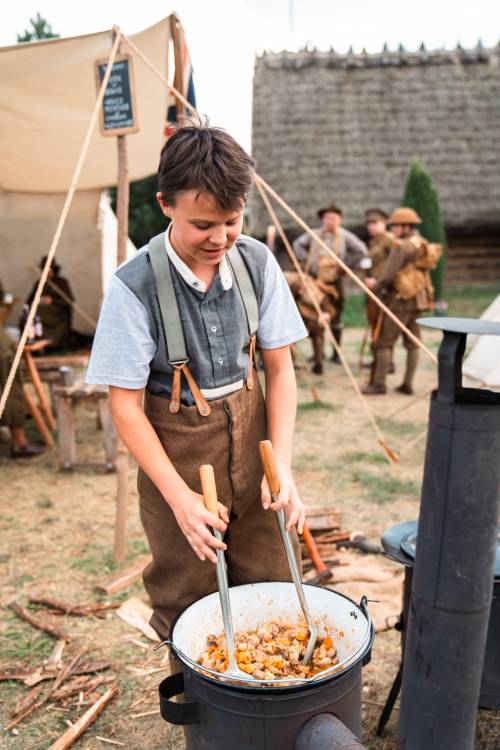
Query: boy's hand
(194, 521)
(288, 498)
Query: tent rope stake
(388, 452)
(60, 225)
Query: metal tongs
(271, 473)
(209, 490)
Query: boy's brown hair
(209, 160)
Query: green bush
(421, 194)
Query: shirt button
(195, 283)
(214, 329)
(220, 361)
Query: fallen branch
(75, 610)
(88, 718)
(145, 713)
(35, 622)
(110, 742)
(26, 701)
(32, 677)
(125, 577)
(64, 672)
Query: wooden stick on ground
(75, 610)
(35, 622)
(63, 674)
(125, 577)
(73, 733)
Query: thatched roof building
(345, 127)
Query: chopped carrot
(328, 643)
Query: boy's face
(202, 232)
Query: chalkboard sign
(118, 112)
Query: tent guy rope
(388, 452)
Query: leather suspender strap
(172, 327)
(169, 309)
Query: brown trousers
(228, 439)
(389, 334)
(15, 409)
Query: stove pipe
(454, 565)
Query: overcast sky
(224, 35)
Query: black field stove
(447, 607)
(400, 544)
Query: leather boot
(317, 342)
(383, 359)
(337, 335)
(411, 366)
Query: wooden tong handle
(269, 465)
(209, 488)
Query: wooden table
(41, 411)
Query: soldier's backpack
(428, 253)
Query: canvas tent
(47, 93)
(481, 368)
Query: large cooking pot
(221, 713)
(348, 624)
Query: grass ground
(56, 534)
(465, 301)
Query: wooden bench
(67, 398)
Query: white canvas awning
(481, 368)
(47, 93)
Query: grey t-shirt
(128, 349)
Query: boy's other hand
(196, 522)
(288, 498)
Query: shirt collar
(189, 277)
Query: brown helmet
(404, 215)
(331, 209)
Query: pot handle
(176, 713)
(363, 605)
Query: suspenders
(172, 326)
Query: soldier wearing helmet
(405, 284)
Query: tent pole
(122, 460)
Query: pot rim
(333, 672)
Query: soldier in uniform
(405, 284)
(55, 309)
(14, 414)
(317, 262)
(381, 242)
(309, 314)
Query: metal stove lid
(400, 544)
(409, 544)
(463, 325)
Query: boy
(179, 326)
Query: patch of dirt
(56, 534)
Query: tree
(40, 29)
(145, 216)
(421, 194)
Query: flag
(187, 87)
